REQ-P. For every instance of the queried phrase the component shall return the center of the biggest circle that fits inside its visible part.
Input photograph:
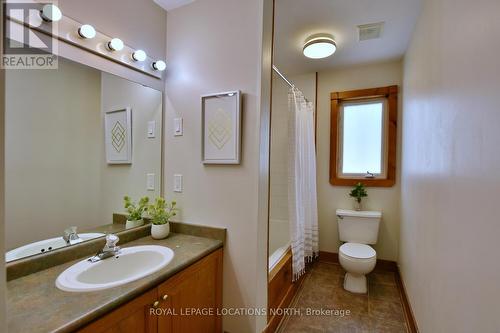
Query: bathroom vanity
(191, 280)
(175, 305)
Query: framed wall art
(221, 128)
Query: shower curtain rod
(283, 77)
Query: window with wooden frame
(363, 135)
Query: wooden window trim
(336, 99)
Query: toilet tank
(358, 226)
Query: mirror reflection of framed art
(118, 136)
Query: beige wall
(331, 197)
(214, 46)
(450, 177)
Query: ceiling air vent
(370, 31)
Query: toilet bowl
(357, 260)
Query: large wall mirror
(68, 158)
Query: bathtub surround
(450, 171)
(331, 197)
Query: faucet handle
(111, 240)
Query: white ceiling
(296, 20)
(172, 4)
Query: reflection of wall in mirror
(56, 172)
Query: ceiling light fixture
(139, 55)
(115, 44)
(319, 47)
(86, 31)
(159, 65)
(50, 13)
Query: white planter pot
(133, 224)
(160, 231)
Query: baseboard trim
(384, 265)
(410, 318)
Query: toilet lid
(360, 251)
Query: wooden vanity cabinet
(189, 303)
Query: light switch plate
(177, 183)
(150, 181)
(151, 129)
(178, 127)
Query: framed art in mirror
(118, 136)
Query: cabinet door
(191, 298)
(133, 317)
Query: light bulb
(159, 65)
(115, 44)
(50, 13)
(139, 55)
(86, 31)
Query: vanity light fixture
(86, 31)
(139, 55)
(115, 44)
(159, 65)
(319, 47)
(50, 13)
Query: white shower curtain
(302, 201)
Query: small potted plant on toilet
(135, 211)
(358, 193)
(160, 213)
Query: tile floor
(380, 310)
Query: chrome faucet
(109, 250)
(71, 237)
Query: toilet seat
(357, 251)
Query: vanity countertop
(34, 304)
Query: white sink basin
(44, 246)
(131, 264)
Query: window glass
(362, 140)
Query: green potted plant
(358, 193)
(135, 211)
(160, 213)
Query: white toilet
(357, 229)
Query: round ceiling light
(50, 13)
(319, 47)
(115, 44)
(86, 31)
